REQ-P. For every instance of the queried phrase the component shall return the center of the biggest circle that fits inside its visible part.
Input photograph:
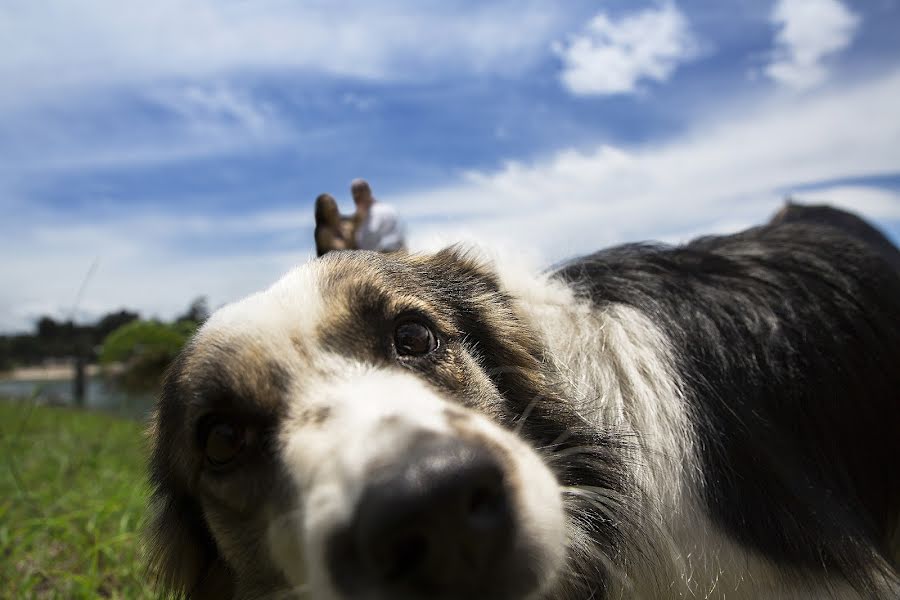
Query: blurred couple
(374, 226)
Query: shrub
(144, 349)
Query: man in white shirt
(379, 228)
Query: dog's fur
(847, 222)
(717, 420)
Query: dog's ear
(183, 555)
(183, 558)
(460, 260)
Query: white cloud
(723, 175)
(212, 106)
(142, 264)
(86, 43)
(612, 56)
(185, 121)
(84, 70)
(361, 102)
(809, 31)
(156, 285)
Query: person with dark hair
(333, 231)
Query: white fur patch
(618, 367)
(374, 416)
(291, 307)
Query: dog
(714, 420)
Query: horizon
(176, 150)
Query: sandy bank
(50, 373)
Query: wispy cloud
(97, 84)
(158, 124)
(174, 141)
(613, 56)
(809, 31)
(360, 102)
(86, 43)
(721, 175)
(218, 105)
(152, 262)
(727, 169)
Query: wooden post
(79, 383)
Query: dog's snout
(443, 516)
(436, 523)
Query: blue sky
(179, 145)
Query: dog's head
(374, 426)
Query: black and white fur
(715, 420)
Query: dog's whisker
(563, 437)
(595, 499)
(520, 422)
(572, 451)
(603, 492)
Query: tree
(6, 354)
(145, 349)
(112, 321)
(197, 312)
(57, 338)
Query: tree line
(145, 347)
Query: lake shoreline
(55, 372)
(46, 373)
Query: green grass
(72, 499)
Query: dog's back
(849, 223)
(787, 344)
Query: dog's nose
(435, 524)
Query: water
(101, 394)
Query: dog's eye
(414, 338)
(224, 442)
